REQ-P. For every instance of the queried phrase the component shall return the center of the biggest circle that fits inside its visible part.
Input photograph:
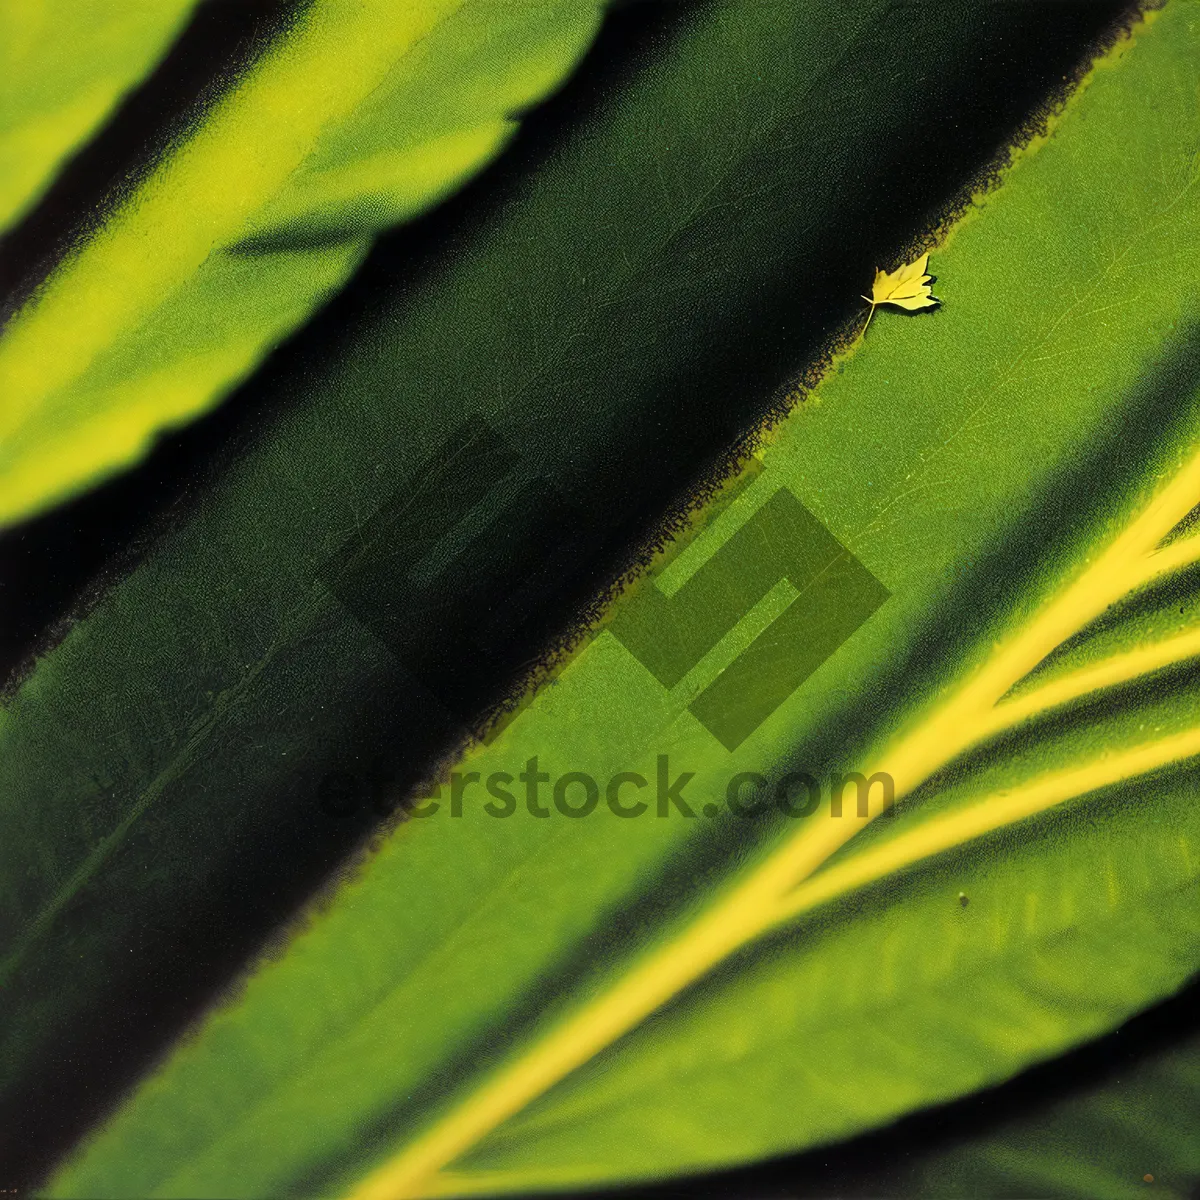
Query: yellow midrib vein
(776, 890)
(947, 833)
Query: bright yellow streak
(771, 893)
(965, 717)
(996, 812)
(1121, 668)
(660, 978)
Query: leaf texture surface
(608, 1000)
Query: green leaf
(65, 65)
(362, 115)
(516, 1004)
(246, 670)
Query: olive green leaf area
(1103, 1122)
(513, 1004)
(64, 66)
(1107, 1142)
(591, 329)
(359, 117)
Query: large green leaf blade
(225, 683)
(360, 116)
(65, 67)
(966, 468)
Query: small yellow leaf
(905, 287)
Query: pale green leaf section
(64, 66)
(363, 115)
